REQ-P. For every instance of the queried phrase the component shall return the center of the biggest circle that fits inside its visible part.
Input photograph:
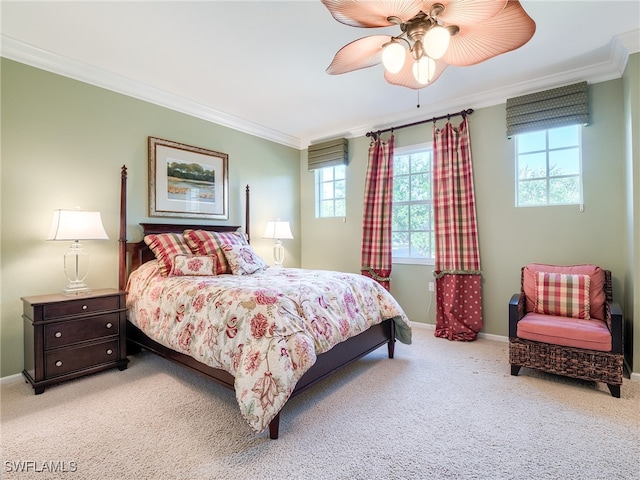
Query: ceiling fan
(434, 34)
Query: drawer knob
(59, 363)
(58, 334)
(84, 307)
(109, 325)
(109, 351)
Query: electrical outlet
(431, 287)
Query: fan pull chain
(418, 105)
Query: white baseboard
(11, 379)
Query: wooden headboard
(132, 255)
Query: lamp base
(76, 288)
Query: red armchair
(564, 321)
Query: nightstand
(69, 336)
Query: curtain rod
(448, 116)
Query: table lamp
(278, 230)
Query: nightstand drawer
(74, 331)
(65, 360)
(81, 306)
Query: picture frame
(187, 181)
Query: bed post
(122, 252)
(246, 213)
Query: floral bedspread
(264, 329)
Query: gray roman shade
(328, 154)
(549, 109)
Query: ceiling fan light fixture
(424, 69)
(393, 56)
(436, 41)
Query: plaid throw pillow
(203, 242)
(165, 246)
(562, 294)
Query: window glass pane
(326, 208)
(564, 190)
(400, 244)
(420, 187)
(421, 246)
(532, 192)
(327, 191)
(532, 165)
(340, 189)
(564, 162)
(412, 232)
(420, 217)
(339, 171)
(564, 137)
(400, 217)
(532, 142)
(401, 165)
(340, 208)
(401, 189)
(420, 163)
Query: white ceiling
(260, 66)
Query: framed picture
(187, 182)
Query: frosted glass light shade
(436, 41)
(393, 56)
(424, 69)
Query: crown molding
(612, 68)
(21, 52)
(620, 48)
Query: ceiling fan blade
(372, 13)
(508, 30)
(466, 12)
(405, 78)
(362, 53)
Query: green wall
(63, 143)
(510, 237)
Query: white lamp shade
(76, 225)
(278, 230)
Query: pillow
(243, 260)
(165, 246)
(562, 294)
(193, 265)
(597, 296)
(203, 242)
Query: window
(331, 192)
(412, 231)
(549, 167)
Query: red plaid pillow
(203, 242)
(165, 246)
(562, 294)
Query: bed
(268, 335)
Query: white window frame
(319, 184)
(548, 176)
(409, 260)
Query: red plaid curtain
(457, 269)
(376, 220)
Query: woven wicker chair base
(571, 362)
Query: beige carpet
(439, 410)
